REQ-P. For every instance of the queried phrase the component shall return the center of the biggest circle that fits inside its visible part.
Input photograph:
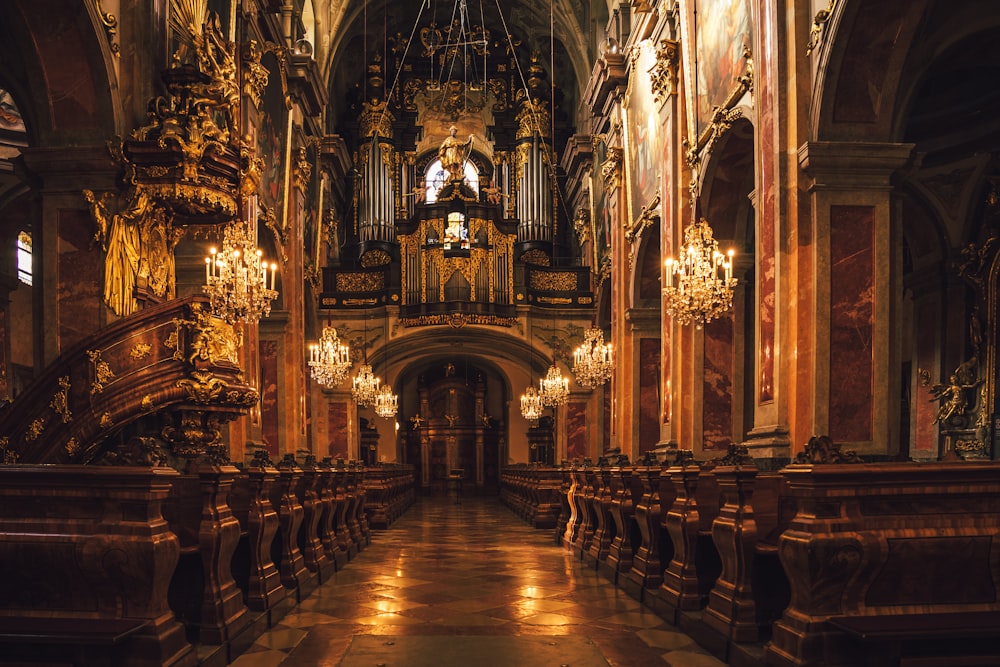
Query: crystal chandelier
(553, 388)
(593, 361)
(365, 387)
(329, 359)
(386, 402)
(531, 404)
(703, 289)
(236, 278)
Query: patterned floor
(470, 584)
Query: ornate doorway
(452, 433)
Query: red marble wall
(336, 415)
(269, 395)
(576, 430)
(649, 394)
(852, 285)
(79, 292)
(717, 400)
(766, 208)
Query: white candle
(274, 270)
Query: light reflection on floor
(471, 570)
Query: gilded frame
(725, 71)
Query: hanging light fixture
(386, 402)
(700, 284)
(531, 404)
(593, 361)
(329, 360)
(531, 401)
(365, 384)
(237, 279)
(553, 388)
(365, 387)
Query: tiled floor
(470, 584)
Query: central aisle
(470, 584)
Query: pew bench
(64, 640)
(78, 631)
(924, 640)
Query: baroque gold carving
(140, 351)
(147, 403)
(359, 282)
(663, 75)
(302, 169)
(458, 320)
(60, 401)
(110, 23)
(553, 281)
(376, 120)
(72, 447)
(581, 225)
(213, 340)
(106, 421)
(611, 167)
(819, 26)
(255, 75)
(375, 257)
(34, 430)
(102, 372)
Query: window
(435, 177)
(456, 234)
(24, 257)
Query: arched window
(24, 257)
(435, 178)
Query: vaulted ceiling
(560, 30)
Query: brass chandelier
(386, 402)
(329, 360)
(531, 404)
(593, 361)
(553, 388)
(700, 284)
(238, 282)
(365, 387)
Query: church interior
(683, 309)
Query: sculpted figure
(453, 153)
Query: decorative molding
(818, 30)
(663, 75)
(723, 115)
(611, 168)
(110, 23)
(102, 372)
(60, 401)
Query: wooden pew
(646, 573)
(620, 552)
(308, 489)
(254, 569)
(887, 553)
(604, 530)
(88, 559)
(285, 550)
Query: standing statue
(138, 242)
(453, 153)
